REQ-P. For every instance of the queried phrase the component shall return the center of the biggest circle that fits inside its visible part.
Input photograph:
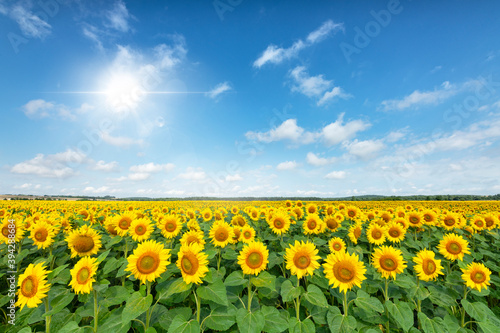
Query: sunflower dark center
(29, 287)
(302, 261)
(254, 260)
(189, 264)
(83, 275)
(453, 248)
(83, 244)
(478, 277)
(148, 263)
(429, 266)
(388, 264)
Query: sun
(123, 91)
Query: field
(271, 266)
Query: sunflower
(253, 258)
(221, 233)
(83, 275)
(110, 226)
(311, 208)
(491, 221)
(298, 212)
(123, 222)
(450, 221)
(352, 212)
(426, 266)
(453, 247)
(193, 236)
(207, 214)
(312, 224)
(478, 223)
(403, 222)
(376, 234)
(386, 216)
(355, 232)
(192, 263)
(170, 226)
(192, 225)
(247, 234)
(149, 261)
(332, 223)
(254, 214)
(7, 229)
(84, 241)
(302, 258)
(415, 219)
(388, 261)
(336, 244)
(476, 276)
(238, 220)
(344, 270)
(42, 234)
(33, 286)
(140, 229)
(279, 222)
(395, 232)
(429, 216)
(237, 235)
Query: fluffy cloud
(365, 149)
(30, 24)
(336, 175)
(152, 168)
(315, 160)
(106, 167)
(118, 17)
(288, 165)
(193, 174)
(338, 132)
(218, 89)
(275, 55)
(39, 108)
(288, 130)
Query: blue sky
(249, 98)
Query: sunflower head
(84, 241)
(192, 263)
(355, 232)
(336, 244)
(253, 258)
(302, 258)
(170, 225)
(376, 234)
(193, 236)
(453, 247)
(141, 229)
(312, 224)
(395, 232)
(149, 261)
(33, 286)
(279, 222)
(476, 276)
(123, 221)
(344, 270)
(83, 274)
(426, 266)
(221, 233)
(388, 261)
(247, 234)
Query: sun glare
(123, 92)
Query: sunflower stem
(386, 295)
(297, 307)
(462, 312)
(148, 312)
(218, 260)
(125, 253)
(96, 311)
(419, 302)
(249, 308)
(48, 318)
(345, 303)
(197, 306)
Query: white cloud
(433, 97)
(39, 108)
(275, 55)
(336, 175)
(315, 86)
(193, 174)
(395, 136)
(169, 56)
(365, 149)
(99, 190)
(337, 132)
(52, 166)
(233, 178)
(106, 167)
(138, 176)
(332, 134)
(152, 168)
(315, 160)
(219, 89)
(118, 17)
(93, 33)
(30, 24)
(120, 141)
(288, 165)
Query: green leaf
(405, 282)
(235, 279)
(275, 323)
(490, 325)
(305, 326)
(477, 310)
(289, 292)
(368, 303)
(71, 327)
(151, 330)
(111, 265)
(103, 256)
(135, 306)
(56, 272)
(114, 295)
(315, 296)
(250, 322)
(441, 297)
(221, 318)
(60, 302)
(178, 286)
(166, 320)
(215, 292)
(401, 313)
(182, 325)
(434, 325)
(264, 280)
(339, 323)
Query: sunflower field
(261, 266)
